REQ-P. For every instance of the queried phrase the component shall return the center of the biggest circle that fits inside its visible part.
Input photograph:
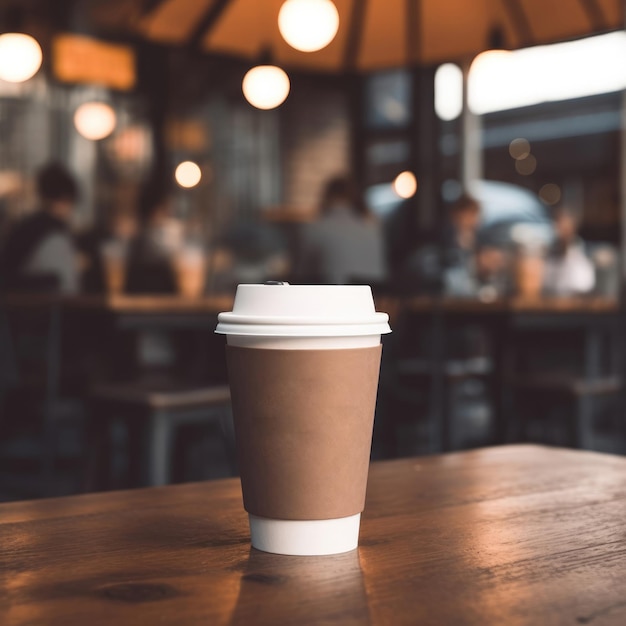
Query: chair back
(8, 367)
(30, 349)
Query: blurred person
(345, 243)
(152, 253)
(568, 268)
(251, 251)
(492, 274)
(606, 263)
(460, 248)
(472, 267)
(464, 221)
(39, 253)
(105, 247)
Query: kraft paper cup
(190, 270)
(530, 275)
(331, 336)
(113, 255)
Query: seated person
(151, 254)
(113, 237)
(492, 273)
(250, 251)
(568, 270)
(345, 243)
(39, 253)
(460, 247)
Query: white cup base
(305, 537)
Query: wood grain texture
(510, 535)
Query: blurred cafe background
(465, 159)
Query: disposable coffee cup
(530, 271)
(303, 365)
(113, 254)
(190, 272)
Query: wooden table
(510, 535)
(126, 303)
(134, 311)
(568, 304)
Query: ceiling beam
(519, 21)
(595, 14)
(355, 34)
(414, 31)
(207, 22)
(151, 6)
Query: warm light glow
(95, 120)
(507, 80)
(20, 57)
(266, 86)
(188, 174)
(519, 148)
(526, 166)
(550, 193)
(481, 88)
(308, 25)
(405, 184)
(448, 91)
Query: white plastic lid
(283, 310)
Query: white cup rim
(302, 330)
(255, 320)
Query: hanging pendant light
(266, 85)
(95, 120)
(20, 57)
(496, 50)
(188, 174)
(20, 54)
(496, 57)
(308, 25)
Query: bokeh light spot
(550, 193)
(188, 174)
(526, 166)
(519, 148)
(405, 184)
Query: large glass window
(448, 91)
(388, 100)
(501, 80)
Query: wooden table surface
(215, 303)
(159, 304)
(586, 304)
(509, 535)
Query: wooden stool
(152, 417)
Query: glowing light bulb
(188, 174)
(266, 86)
(405, 184)
(20, 57)
(483, 67)
(95, 120)
(308, 25)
